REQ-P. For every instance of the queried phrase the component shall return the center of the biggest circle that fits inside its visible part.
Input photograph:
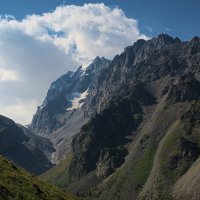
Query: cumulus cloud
(39, 48)
(27, 67)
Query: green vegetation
(58, 175)
(144, 165)
(178, 151)
(17, 184)
(169, 142)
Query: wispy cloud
(167, 29)
(39, 48)
(148, 28)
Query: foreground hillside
(17, 184)
(142, 139)
(24, 148)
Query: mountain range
(126, 128)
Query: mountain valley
(127, 128)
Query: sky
(41, 40)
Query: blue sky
(176, 17)
(47, 38)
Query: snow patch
(77, 100)
(53, 157)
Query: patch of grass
(17, 184)
(144, 165)
(58, 175)
(172, 162)
(169, 142)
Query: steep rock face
(106, 132)
(172, 62)
(109, 160)
(185, 89)
(24, 148)
(143, 134)
(145, 61)
(63, 112)
(76, 97)
(66, 94)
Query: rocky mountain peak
(66, 95)
(195, 39)
(165, 38)
(139, 43)
(138, 113)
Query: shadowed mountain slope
(142, 137)
(24, 148)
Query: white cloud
(167, 29)
(20, 111)
(39, 48)
(8, 75)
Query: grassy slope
(130, 178)
(17, 184)
(58, 175)
(162, 182)
(143, 167)
(187, 187)
(156, 186)
(145, 171)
